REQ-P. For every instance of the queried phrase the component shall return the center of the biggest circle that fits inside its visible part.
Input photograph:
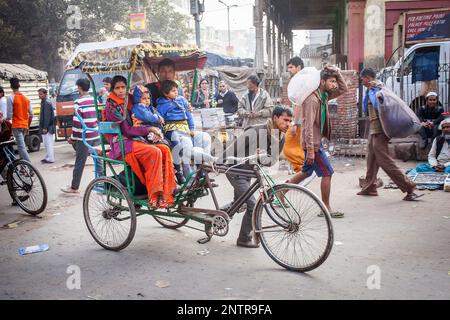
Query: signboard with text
(137, 22)
(424, 26)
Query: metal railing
(414, 92)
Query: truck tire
(34, 143)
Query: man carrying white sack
(315, 125)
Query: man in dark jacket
(431, 116)
(227, 99)
(47, 125)
(268, 138)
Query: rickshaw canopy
(134, 54)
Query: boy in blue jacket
(179, 127)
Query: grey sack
(397, 119)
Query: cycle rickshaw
(291, 223)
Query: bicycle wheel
(27, 187)
(173, 222)
(109, 213)
(294, 228)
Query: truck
(411, 71)
(425, 65)
(31, 80)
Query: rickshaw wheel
(109, 213)
(173, 222)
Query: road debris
(33, 249)
(162, 284)
(203, 252)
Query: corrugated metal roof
(21, 71)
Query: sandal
(412, 196)
(335, 214)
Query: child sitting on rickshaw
(179, 129)
(144, 114)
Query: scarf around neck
(120, 101)
(323, 108)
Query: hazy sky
(240, 18)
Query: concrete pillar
(279, 45)
(274, 43)
(259, 32)
(374, 30)
(355, 33)
(269, 39)
(269, 44)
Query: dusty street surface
(408, 241)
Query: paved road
(409, 243)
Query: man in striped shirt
(85, 108)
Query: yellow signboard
(137, 22)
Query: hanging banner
(137, 22)
(429, 25)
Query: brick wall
(344, 118)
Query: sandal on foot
(335, 214)
(412, 196)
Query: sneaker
(69, 189)
(45, 161)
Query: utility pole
(228, 9)
(197, 10)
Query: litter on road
(33, 249)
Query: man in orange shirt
(20, 114)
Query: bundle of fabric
(397, 119)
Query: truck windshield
(68, 90)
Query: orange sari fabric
(293, 150)
(153, 166)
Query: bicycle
(25, 184)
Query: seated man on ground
(431, 116)
(179, 129)
(439, 156)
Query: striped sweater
(86, 109)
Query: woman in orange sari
(152, 164)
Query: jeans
(19, 134)
(241, 185)
(82, 152)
